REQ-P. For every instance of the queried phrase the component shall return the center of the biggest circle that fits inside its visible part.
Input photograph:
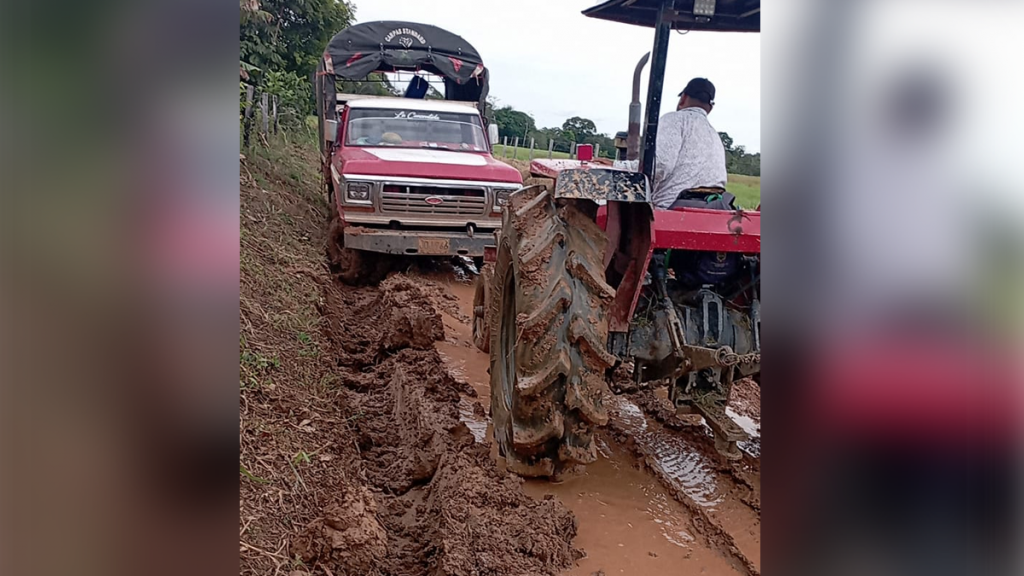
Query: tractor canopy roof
(727, 15)
(389, 46)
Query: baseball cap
(700, 88)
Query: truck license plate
(434, 246)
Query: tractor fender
(603, 185)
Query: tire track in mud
(721, 507)
(719, 501)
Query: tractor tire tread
(561, 331)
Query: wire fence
(526, 149)
(267, 107)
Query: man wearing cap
(690, 154)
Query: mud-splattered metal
(602, 184)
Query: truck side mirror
(492, 134)
(330, 130)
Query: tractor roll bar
(655, 84)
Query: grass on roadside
(521, 153)
(747, 190)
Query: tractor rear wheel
(481, 306)
(549, 333)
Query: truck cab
(416, 177)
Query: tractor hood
(416, 163)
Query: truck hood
(416, 163)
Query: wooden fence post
(572, 151)
(247, 123)
(504, 147)
(551, 147)
(597, 151)
(273, 113)
(515, 149)
(532, 141)
(264, 112)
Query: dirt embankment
(352, 456)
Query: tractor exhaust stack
(633, 134)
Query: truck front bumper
(418, 242)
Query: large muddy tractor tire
(353, 267)
(481, 307)
(549, 333)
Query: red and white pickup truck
(417, 177)
(407, 175)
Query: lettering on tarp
(404, 32)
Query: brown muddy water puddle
(694, 473)
(628, 523)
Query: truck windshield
(415, 129)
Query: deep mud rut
(429, 499)
(659, 500)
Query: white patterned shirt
(690, 154)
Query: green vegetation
(514, 124)
(747, 190)
(524, 153)
(289, 36)
(245, 472)
(737, 161)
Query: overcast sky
(551, 62)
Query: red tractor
(588, 277)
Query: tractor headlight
(358, 192)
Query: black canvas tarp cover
(372, 46)
(385, 46)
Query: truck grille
(413, 200)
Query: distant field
(746, 188)
(524, 153)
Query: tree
(289, 35)
(737, 161)
(581, 128)
(513, 123)
(726, 140)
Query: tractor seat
(712, 198)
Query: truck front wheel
(353, 267)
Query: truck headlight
(358, 191)
(501, 197)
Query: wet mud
(362, 447)
(659, 500)
(428, 497)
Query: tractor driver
(690, 163)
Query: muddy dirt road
(364, 444)
(659, 500)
